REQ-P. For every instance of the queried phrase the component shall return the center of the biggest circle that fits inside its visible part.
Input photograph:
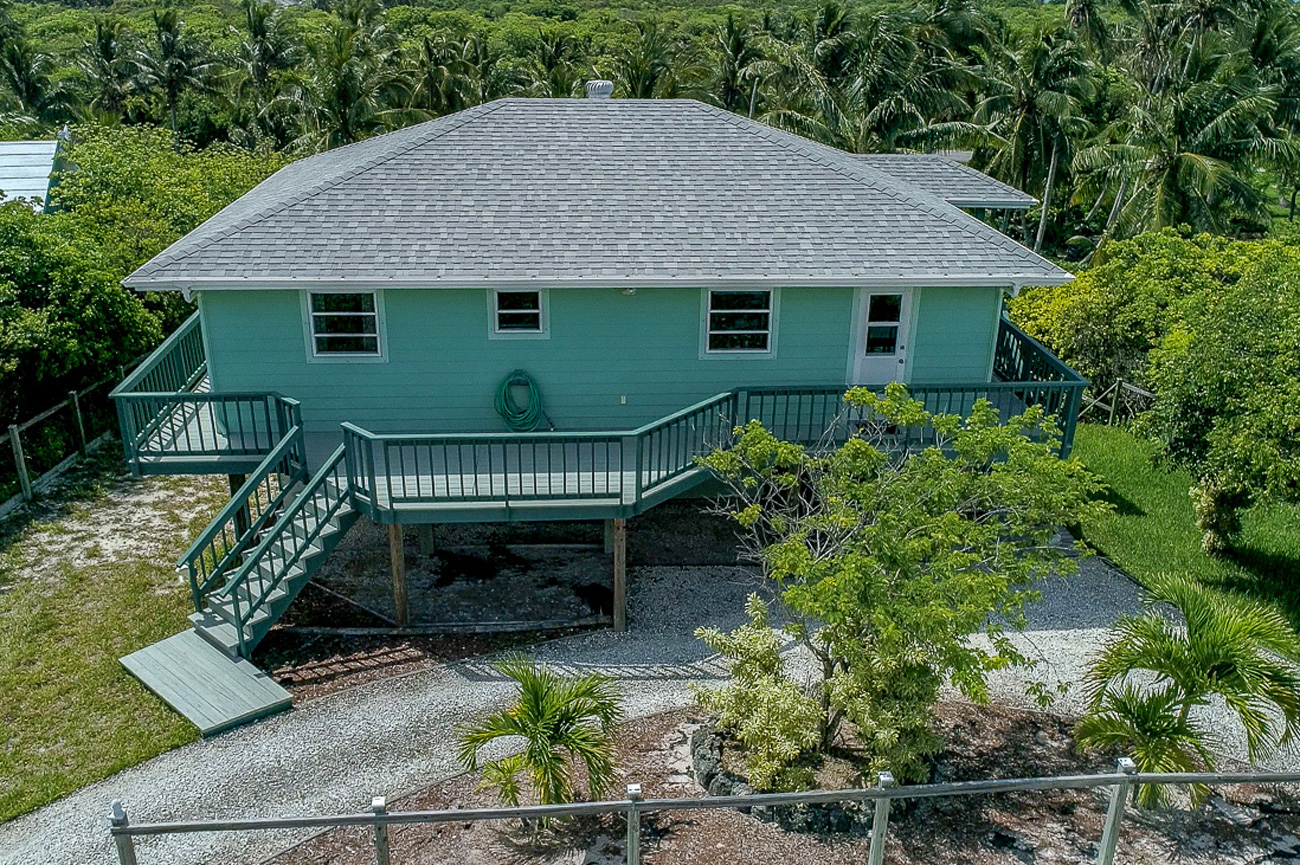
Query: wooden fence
(46, 444)
(1120, 402)
(1121, 784)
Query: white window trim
(309, 335)
(544, 304)
(773, 322)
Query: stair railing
(251, 508)
(295, 533)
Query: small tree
(888, 560)
(1155, 671)
(561, 721)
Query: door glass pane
(882, 339)
(885, 308)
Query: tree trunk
(1291, 213)
(753, 101)
(1119, 203)
(172, 106)
(1047, 197)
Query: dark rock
(1242, 816)
(1286, 846)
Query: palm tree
(640, 68)
(1154, 671)
(29, 75)
(1032, 105)
(105, 62)
(174, 63)
(736, 56)
(353, 87)
(561, 721)
(554, 66)
(1086, 19)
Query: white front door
(880, 346)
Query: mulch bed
(1240, 824)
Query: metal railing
(251, 509)
(633, 807)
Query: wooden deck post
(397, 552)
(620, 574)
(428, 542)
(609, 536)
(241, 517)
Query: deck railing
(178, 364)
(266, 567)
(634, 807)
(251, 509)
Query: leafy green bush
(888, 562)
(561, 721)
(761, 706)
(1105, 322)
(1155, 671)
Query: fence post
(119, 827)
(633, 824)
(81, 424)
(1115, 813)
(20, 462)
(880, 822)
(379, 806)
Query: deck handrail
(1120, 783)
(177, 364)
(228, 535)
(1016, 352)
(290, 527)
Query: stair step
(217, 631)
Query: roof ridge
(167, 257)
(866, 174)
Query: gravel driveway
(389, 737)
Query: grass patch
(1153, 529)
(69, 607)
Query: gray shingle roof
(25, 168)
(589, 192)
(948, 179)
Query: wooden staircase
(236, 618)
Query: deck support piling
(619, 533)
(609, 535)
(428, 542)
(241, 517)
(397, 552)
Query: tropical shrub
(761, 706)
(1105, 322)
(1158, 668)
(562, 721)
(1227, 384)
(888, 562)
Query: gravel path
(389, 737)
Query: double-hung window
(739, 321)
(517, 313)
(344, 324)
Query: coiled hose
(519, 419)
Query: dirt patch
(532, 572)
(1242, 823)
(98, 516)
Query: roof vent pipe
(599, 89)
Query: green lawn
(89, 580)
(1153, 530)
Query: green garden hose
(517, 419)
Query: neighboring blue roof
(25, 168)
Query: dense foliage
(1150, 680)
(1124, 118)
(1211, 327)
(122, 195)
(887, 563)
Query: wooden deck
(207, 687)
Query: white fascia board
(695, 282)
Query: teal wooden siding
(441, 370)
(954, 332)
